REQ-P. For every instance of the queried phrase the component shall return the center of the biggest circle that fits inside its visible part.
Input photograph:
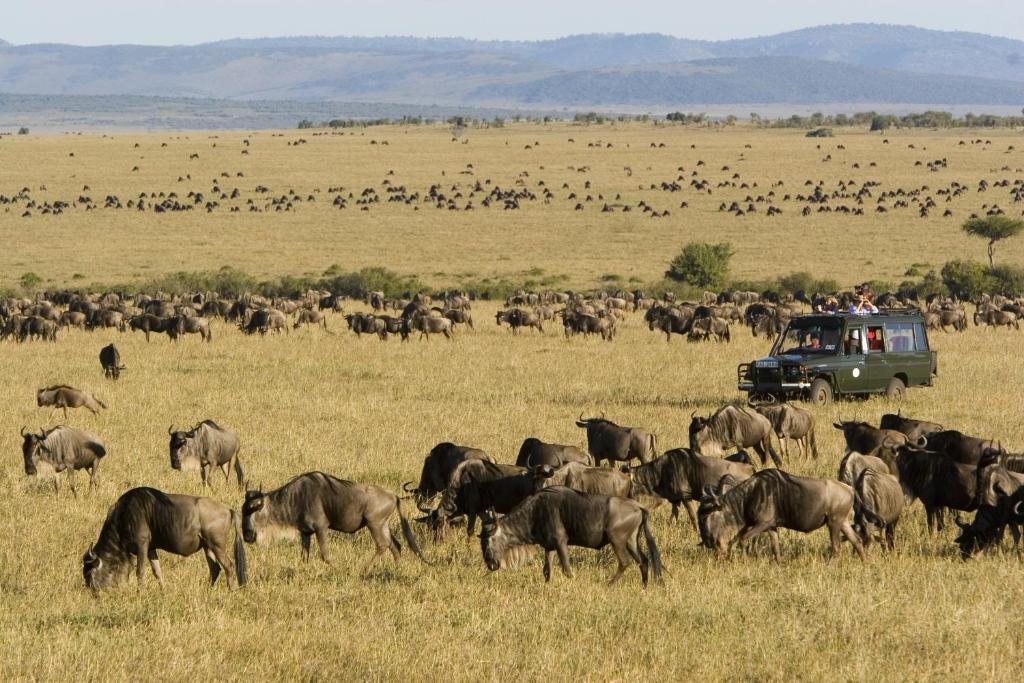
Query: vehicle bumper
(769, 388)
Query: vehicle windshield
(809, 336)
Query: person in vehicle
(853, 346)
(864, 306)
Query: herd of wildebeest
(596, 313)
(553, 496)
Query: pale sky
(167, 22)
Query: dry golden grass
(369, 411)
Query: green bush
(1008, 280)
(372, 279)
(23, 131)
(701, 264)
(819, 133)
(966, 279)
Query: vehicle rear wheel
(896, 389)
(821, 392)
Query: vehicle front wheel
(896, 389)
(821, 392)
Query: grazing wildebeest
(110, 359)
(190, 325)
(437, 470)
(427, 325)
(145, 520)
(914, 429)
(773, 499)
(62, 449)
(680, 476)
(364, 323)
(558, 517)
(476, 485)
(205, 446)
(309, 317)
(38, 328)
(999, 496)
(791, 422)
(313, 503)
(534, 453)
(62, 397)
(733, 426)
(608, 441)
(147, 323)
(878, 502)
(517, 317)
(938, 481)
(864, 438)
(265, 320)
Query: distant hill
(868, 63)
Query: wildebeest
(773, 499)
(608, 441)
(864, 438)
(364, 323)
(517, 317)
(437, 470)
(914, 429)
(313, 503)
(534, 453)
(792, 422)
(584, 478)
(62, 397)
(854, 463)
(878, 502)
(265, 320)
(1000, 496)
(680, 476)
(110, 359)
(968, 450)
(307, 316)
(145, 520)
(476, 485)
(205, 446)
(427, 325)
(62, 449)
(183, 324)
(706, 326)
(147, 323)
(459, 316)
(732, 426)
(938, 481)
(558, 517)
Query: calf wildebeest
(205, 446)
(145, 520)
(313, 503)
(437, 470)
(534, 453)
(773, 499)
(732, 426)
(307, 316)
(62, 397)
(110, 359)
(791, 422)
(878, 502)
(558, 517)
(608, 441)
(62, 449)
(914, 429)
(476, 485)
(680, 476)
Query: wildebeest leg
(71, 481)
(470, 526)
(203, 474)
(381, 534)
(321, 543)
(93, 472)
(154, 564)
(225, 468)
(691, 510)
(50, 416)
(223, 560)
(547, 565)
(847, 531)
(749, 533)
(675, 512)
(211, 562)
(563, 558)
(305, 541)
(890, 536)
(773, 536)
(142, 553)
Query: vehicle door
(850, 374)
(878, 370)
(903, 354)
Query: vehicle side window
(876, 339)
(900, 337)
(854, 342)
(920, 338)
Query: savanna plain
(370, 411)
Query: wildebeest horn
(693, 414)
(23, 430)
(90, 556)
(170, 430)
(580, 418)
(922, 441)
(960, 523)
(1018, 508)
(405, 487)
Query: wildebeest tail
(652, 547)
(814, 443)
(861, 510)
(97, 399)
(239, 473)
(241, 569)
(407, 534)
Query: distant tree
(994, 229)
(305, 123)
(879, 122)
(701, 264)
(23, 131)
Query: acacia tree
(994, 229)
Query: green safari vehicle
(822, 356)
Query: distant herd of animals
(556, 496)
(597, 313)
(846, 196)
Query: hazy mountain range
(857, 63)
